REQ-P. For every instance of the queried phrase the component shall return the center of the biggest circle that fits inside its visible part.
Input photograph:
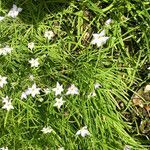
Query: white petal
(1, 18)
(108, 22)
(85, 132)
(14, 6)
(93, 41)
(19, 9)
(95, 36)
(23, 95)
(78, 132)
(102, 33)
(102, 41)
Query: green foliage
(70, 58)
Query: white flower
(33, 90)
(4, 148)
(1, 18)
(108, 21)
(31, 45)
(7, 104)
(59, 102)
(14, 11)
(92, 94)
(5, 50)
(5, 99)
(96, 85)
(27, 91)
(34, 62)
(47, 91)
(147, 88)
(99, 39)
(148, 68)
(49, 34)
(31, 77)
(24, 95)
(83, 131)
(46, 130)
(72, 90)
(58, 89)
(2, 81)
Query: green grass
(120, 66)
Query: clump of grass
(70, 58)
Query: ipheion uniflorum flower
(99, 39)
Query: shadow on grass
(35, 11)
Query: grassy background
(120, 67)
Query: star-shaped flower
(72, 90)
(83, 131)
(46, 130)
(5, 99)
(7, 104)
(99, 39)
(4, 148)
(58, 89)
(59, 102)
(14, 11)
(33, 90)
(25, 94)
(96, 85)
(49, 34)
(34, 62)
(5, 50)
(31, 45)
(2, 81)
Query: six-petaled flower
(34, 62)
(59, 102)
(14, 11)
(7, 103)
(3, 81)
(72, 90)
(83, 131)
(46, 130)
(58, 89)
(99, 39)
(33, 90)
